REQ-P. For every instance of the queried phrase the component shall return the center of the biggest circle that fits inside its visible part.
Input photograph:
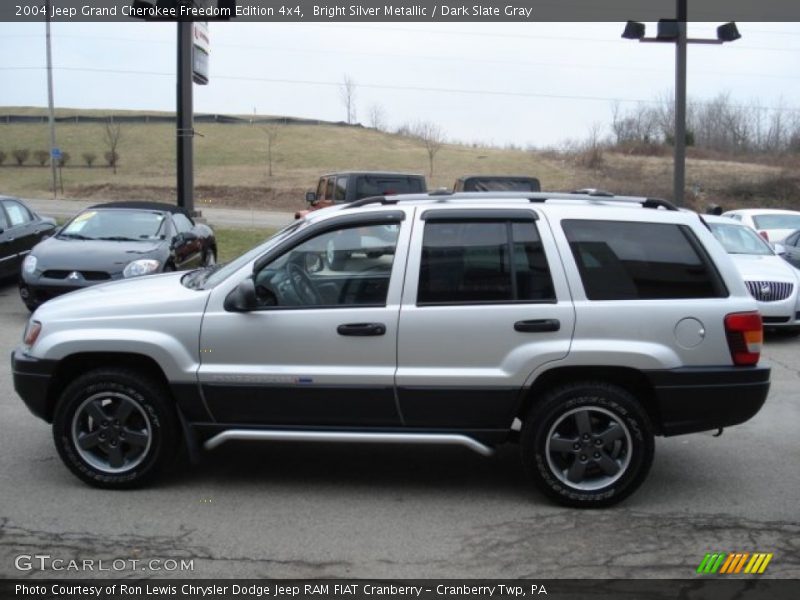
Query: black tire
(151, 415)
(554, 442)
(25, 296)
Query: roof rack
(533, 197)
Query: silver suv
(578, 326)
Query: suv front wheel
(114, 428)
(587, 444)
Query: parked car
(497, 183)
(770, 223)
(349, 186)
(20, 230)
(114, 241)
(579, 327)
(769, 279)
(790, 249)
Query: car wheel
(27, 298)
(587, 444)
(209, 258)
(335, 259)
(115, 428)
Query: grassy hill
(231, 163)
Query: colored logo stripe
(734, 562)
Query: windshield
(211, 276)
(116, 225)
(501, 184)
(383, 185)
(777, 221)
(738, 239)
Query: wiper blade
(117, 238)
(74, 236)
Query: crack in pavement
(71, 545)
(625, 544)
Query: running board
(273, 435)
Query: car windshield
(777, 222)
(116, 225)
(209, 277)
(383, 185)
(503, 185)
(738, 239)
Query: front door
(321, 349)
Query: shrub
(21, 155)
(89, 157)
(2, 157)
(41, 156)
(64, 159)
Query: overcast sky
(524, 83)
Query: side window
(17, 214)
(341, 189)
(346, 267)
(3, 221)
(329, 189)
(182, 223)
(473, 261)
(641, 261)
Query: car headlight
(29, 264)
(143, 266)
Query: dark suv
(349, 186)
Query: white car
(770, 280)
(771, 223)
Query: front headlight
(29, 264)
(143, 266)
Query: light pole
(673, 31)
(51, 109)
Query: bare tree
(348, 94)
(432, 137)
(377, 117)
(112, 134)
(272, 132)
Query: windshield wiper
(74, 236)
(117, 238)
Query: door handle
(361, 329)
(537, 325)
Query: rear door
(482, 309)
(21, 234)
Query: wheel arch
(629, 379)
(75, 365)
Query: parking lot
(274, 510)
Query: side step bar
(264, 435)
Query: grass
(231, 169)
(234, 242)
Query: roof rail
(534, 197)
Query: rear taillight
(745, 333)
(764, 234)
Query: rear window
(777, 221)
(621, 260)
(370, 185)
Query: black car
(20, 230)
(115, 241)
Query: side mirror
(242, 298)
(780, 249)
(311, 198)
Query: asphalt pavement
(318, 511)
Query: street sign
(55, 153)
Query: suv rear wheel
(115, 428)
(587, 444)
